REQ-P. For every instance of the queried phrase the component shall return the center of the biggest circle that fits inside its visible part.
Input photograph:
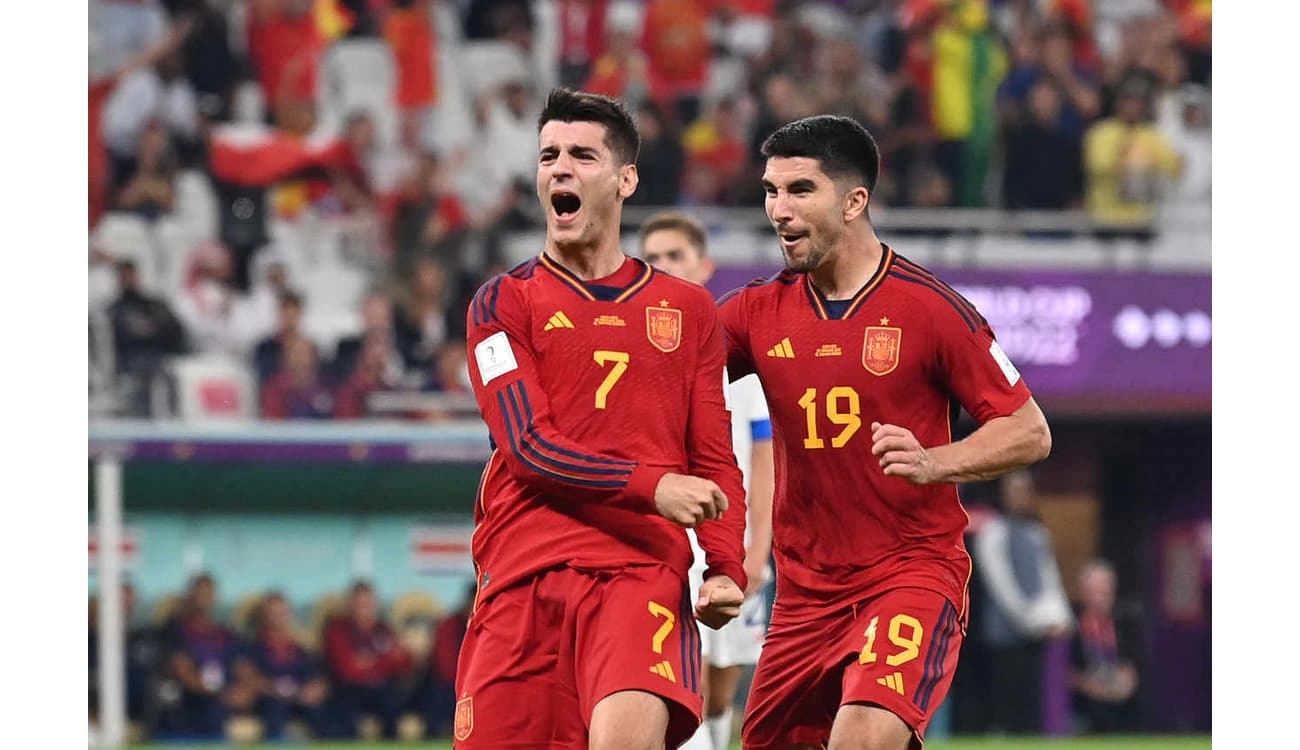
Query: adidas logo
(665, 670)
(782, 350)
(558, 320)
(893, 682)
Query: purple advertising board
(1087, 341)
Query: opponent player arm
(762, 485)
(503, 373)
(711, 456)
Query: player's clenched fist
(687, 500)
(719, 602)
(901, 454)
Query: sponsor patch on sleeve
(495, 357)
(1008, 369)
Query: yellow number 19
(848, 418)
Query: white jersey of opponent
(741, 640)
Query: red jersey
(592, 391)
(906, 350)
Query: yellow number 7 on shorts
(659, 610)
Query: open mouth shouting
(790, 238)
(565, 206)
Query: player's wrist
(642, 486)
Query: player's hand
(719, 602)
(687, 500)
(901, 454)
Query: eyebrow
(803, 183)
(575, 150)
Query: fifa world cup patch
(1004, 362)
(495, 357)
(464, 718)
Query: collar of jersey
(819, 301)
(580, 287)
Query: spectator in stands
(1104, 677)
(145, 332)
(1026, 604)
(149, 188)
(288, 680)
(284, 46)
(1127, 164)
(365, 661)
(1049, 59)
(298, 390)
(451, 371)
(268, 355)
(660, 162)
(351, 186)
(505, 20)
(205, 304)
(408, 29)
(201, 654)
(1043, 160)
(257, 312)
(209, 64)
(438, 694)
(582, 38)
(1187, 129)
(376, 329)
(675, 37)
(424, 320)
(429, 217)
(622, 70)
(714, 143)
(368, 376)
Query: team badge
(663, 326)
(880, 348)
(464, 718)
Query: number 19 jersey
(592, 391)
(905, 350)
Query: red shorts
(896, 650)
(539, 656)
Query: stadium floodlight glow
(1132, 327)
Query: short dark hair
(621, 135)
(680, 222)
(842, 146)
(290, 298)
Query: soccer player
(601, 382)
(676, 243)
(865, 358)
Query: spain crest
(880, 347)
(663, 326)
(464, 718)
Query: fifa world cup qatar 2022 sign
(1132, 341)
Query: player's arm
(762, 485)
(713, 457)
(735, 322)
(503, 372)
(1013, 432)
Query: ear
(855, 203)
(708, 265)
(627, 181)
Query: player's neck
(588, 261)
(849, 266)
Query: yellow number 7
(659, 610)
(620, 360)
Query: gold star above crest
(663, 303)
(884, 321)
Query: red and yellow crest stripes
(880, 346)
(464, 718)
(663, 326)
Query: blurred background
(292, 202)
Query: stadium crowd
(233, 138)
(198, 672)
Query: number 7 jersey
(592, 391)
(905, 350)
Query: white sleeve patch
(1008, 369)
(495, 357)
